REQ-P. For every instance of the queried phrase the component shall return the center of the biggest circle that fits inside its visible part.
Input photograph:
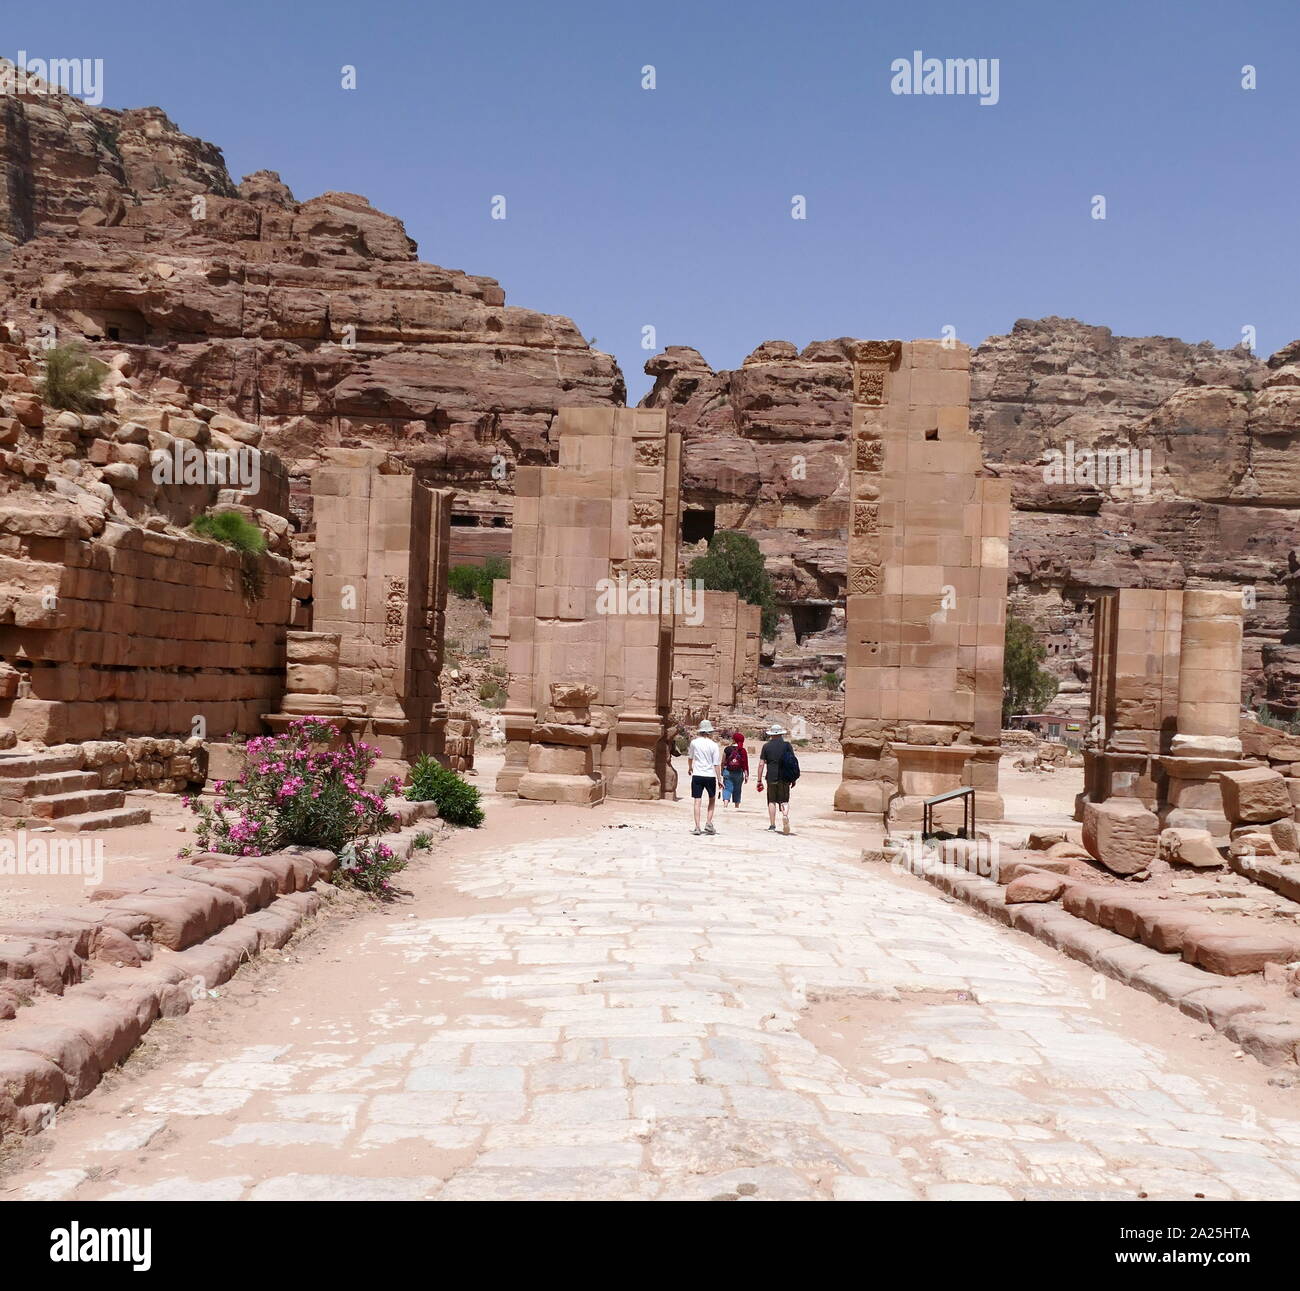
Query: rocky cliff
(1133, 461)
(314, 318)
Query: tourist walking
(735, 769)
(778, 763)
(705, 758)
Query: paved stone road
(638, 1013)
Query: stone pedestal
(1193, 797)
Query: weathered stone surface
(1121, 834)
(1255, 795)
(1037, 885)
(1193, 847)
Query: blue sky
(671, 207)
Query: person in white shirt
(705, 759)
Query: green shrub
(470, 581)
(734, 563)
(462, 581)
(233, 528)
(457, 799)
(238, 532)
(1026, 687)
(72, 379)
(491, 692)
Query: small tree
(1026, 687)
(470, 581)
(734, 563)
(72, 378)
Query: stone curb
(100, 986)
(1273, 1038)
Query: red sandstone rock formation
(314, 318)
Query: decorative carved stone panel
(394, 610)
(646, 514)
(864, 580)
(645, 543)
(868, 454)
(643, 570)
(866, 518)
(649, 452)
(869, 385)
(878, 351)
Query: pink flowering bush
(297, 790)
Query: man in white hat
(705, 758)
(777, 762)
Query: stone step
(31, 764)
(59, 805)
(12, 791)
(116, 818)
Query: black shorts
(702, 784)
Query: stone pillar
(379, 587)
(927, 580)
(1208, 739)
(1209, 674)
(1134, 702)
(590, 623)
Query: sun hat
(775, 729)
(705, 725)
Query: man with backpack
(778, 762)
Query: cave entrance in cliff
(808, 619)
(698, 524)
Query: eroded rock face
(316, 320)
(313, 318)
(1215, 501)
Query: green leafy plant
(422, 842)
(238, 532)
(492, 692)
(734, 563)
(1266, 717)
(470, 581)
(457, 799)
(299, 788)
(1026, 687)
(73, 378)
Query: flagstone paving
(639, 1013)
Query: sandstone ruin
(590, 630)
(927, 589)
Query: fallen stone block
(1272, 1038)
(1069, 851)
(1120, 834)
(1012, 870)
(1041, 839)
(1256, 794)
(1194, 847)
(1034, 886)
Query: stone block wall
(715, 660)
(133, 633)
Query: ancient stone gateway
(593, 569)
(379, 594)
(927, 582)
